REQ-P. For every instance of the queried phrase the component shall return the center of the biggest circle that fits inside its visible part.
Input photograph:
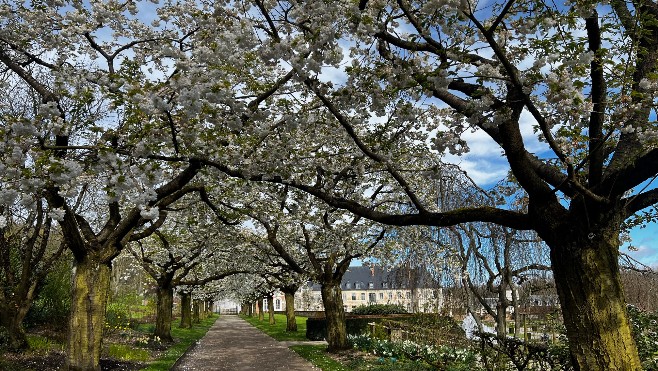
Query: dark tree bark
(196, 311)
(164, 315)
(186, 310)
(26, 257)
(335, 315)
(12, 314)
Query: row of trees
(118, 110)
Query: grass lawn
(317, 355)
(278, 330)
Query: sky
(486, 165)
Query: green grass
(278, 330)
(185, 338)
(317, 355)
(40, 343)
(128, 353)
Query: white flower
(150, 213)
(57, 214)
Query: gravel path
(232, 344)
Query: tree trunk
(588, 282)
(209, 305)
(291, 321)
(186, 310)
(164, 315)
(270, 309)
(335, 316)
(91, 284)
(12, 320)
(196, 311)
(259, 309)
(501, 321)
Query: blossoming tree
(306, 238)
(118, 90)
(566, 91)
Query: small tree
(28, 251)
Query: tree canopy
(113, 109)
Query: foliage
(388, 364)
(318, 357)
(4, 336)
(645, 333)
(117, 318)
(278, 329)
(379, 309)
(43, 344)
(128, 353)
(53, 302)
(444, 358)
(512, 353)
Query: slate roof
(366, 278)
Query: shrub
(645, 332)
(116, 318)
(52, 304)
(316, 328)
(445, 358)
(379, 309)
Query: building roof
(376, 278)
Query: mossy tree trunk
(164, 315)
(291, 321)
(593, 306)
(209, 305)
(585, 260)
(196, 311)
(259, 309)
(186, 310)
(91, 284)
(335, 316)
(270, 308)
(13, 313)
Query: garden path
(232, 344)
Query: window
(399, 295)
(277, 304)
(381, 296)
(363, 296)
(357, 285)
(372, 297)
(354, 296)
(371, 285)
(390, 295)
(408, 295)
(348, 285)
(384, 285)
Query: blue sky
(486, 165)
